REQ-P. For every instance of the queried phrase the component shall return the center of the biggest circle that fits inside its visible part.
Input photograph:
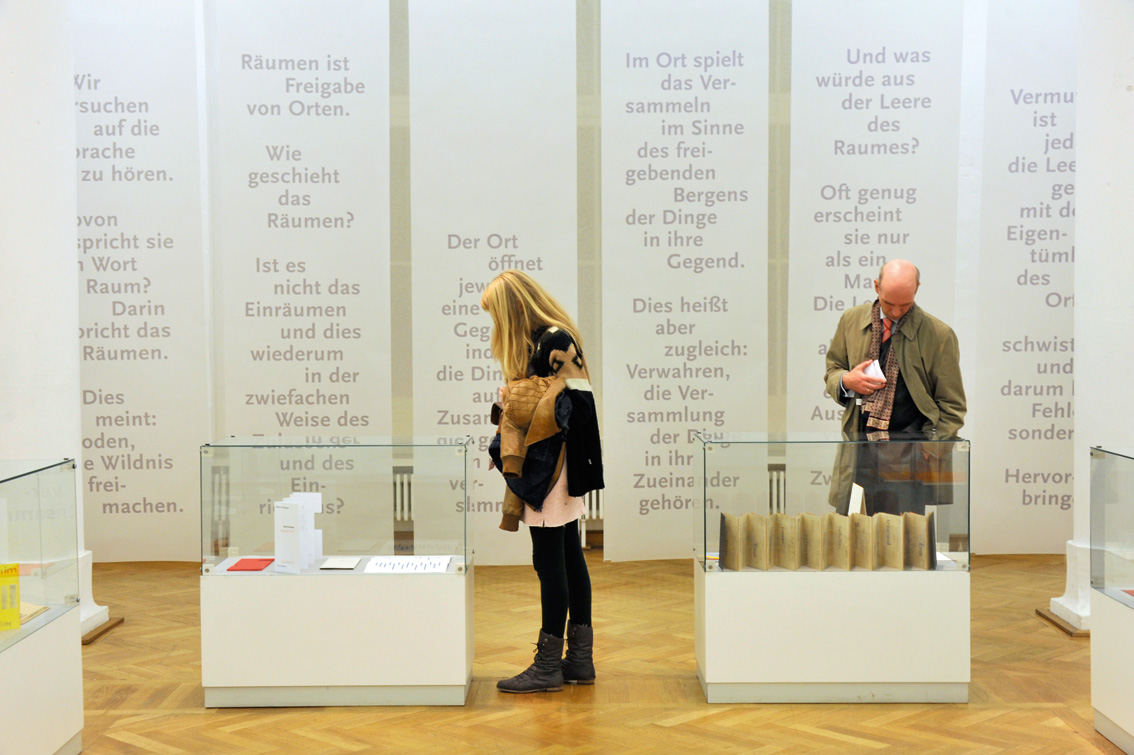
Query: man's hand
(858, 381)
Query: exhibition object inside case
(275, 505)
(1112, 523)
(39, 573)
(799, 502)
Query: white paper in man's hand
(875, 371)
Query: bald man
(914, 392)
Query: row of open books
(837, 541)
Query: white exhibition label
(298, 543)
(408, 565)
(289, 537)
(341, 562)
(684, 264)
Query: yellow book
(889, 541)
(732, 542)
(921, 550)
(862, 541)
(756, 529)
(9, 596)
(812, 542)
(783, 541)
(29, 611)
(839, 554)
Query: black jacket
(556, 353)
(577, 440)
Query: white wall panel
(685, 156)
(492, 156)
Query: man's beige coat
(929, 361)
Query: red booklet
(1129, 592)
(251, 564)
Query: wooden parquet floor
(1030, 690)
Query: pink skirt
(558, 508)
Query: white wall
(1104, 269)
(39, 207)
(39, 416)
(39, 317)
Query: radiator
(593, 508)
(222, 511)
(403, 499)
(777, 488)
(403, 496)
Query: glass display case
(39, 567)
(804, 486)
(335, 572)
(376, 497)
(810, 545)
(1112, 523)
(1112, 594)
(41, 665)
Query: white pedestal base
(73, 747)
(1112, 669)
(1074, 605)
(336, 639)
(832, 636)
(1115, 733)
(41, 690)
(91, 614)
(834, 693)
(321, 697)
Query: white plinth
(832, 636)
(1112, 669)
(336, 639)
(41, 688)
(91, 614)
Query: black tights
(564, 583)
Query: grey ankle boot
(544, 675)
(578, 664)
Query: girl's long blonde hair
(519, 306)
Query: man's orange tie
(886, 325)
